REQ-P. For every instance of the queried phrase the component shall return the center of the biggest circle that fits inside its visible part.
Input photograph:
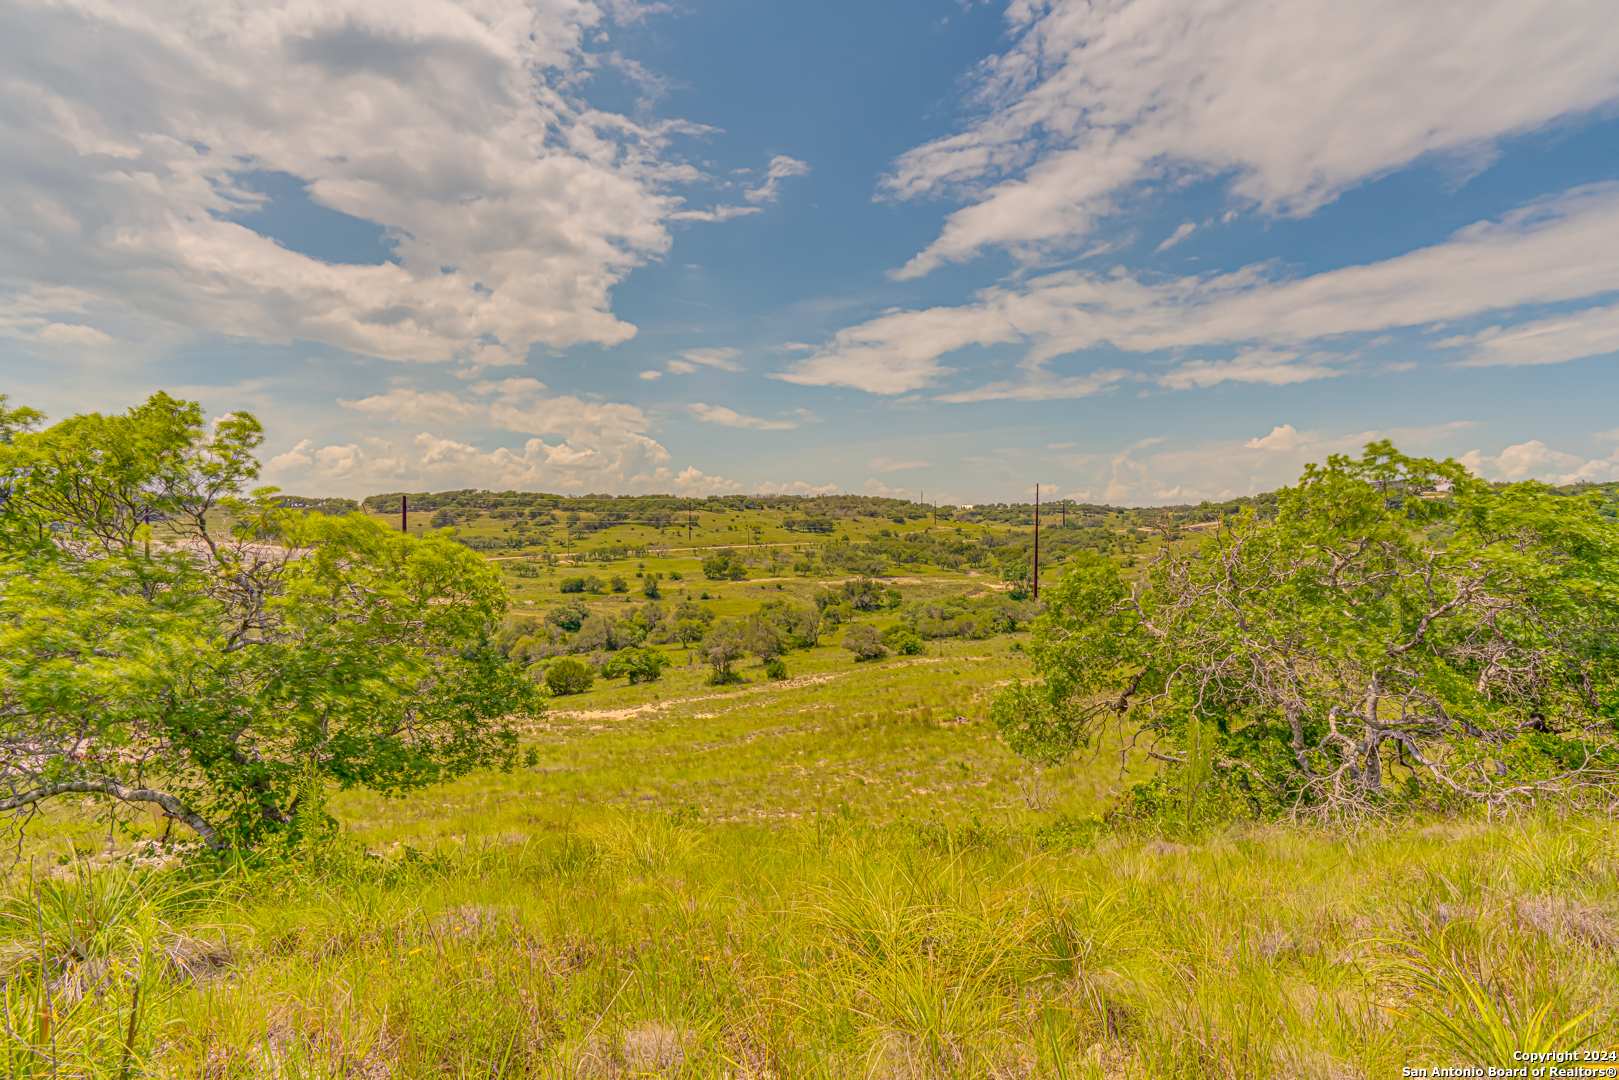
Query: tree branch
(171, 805)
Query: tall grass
(643, 945)
(829, 879)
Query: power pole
(1037, 542)
(404, 513)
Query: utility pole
(1037, 542)
(404, 513)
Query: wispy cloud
(1094, 99)
(719, 414)
(887, 465)
(781, 167)
(1185, 230)
(1557, 249)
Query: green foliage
(722, 647)
(583, 584)
(775, 668)
(618, 584)
(864, 642)
(903, 641)
(207, 671)
(795, 627)
(569, 615)
(1397, 618)
(567, 675)
(636, 665)
(649, 586)
(724, 567)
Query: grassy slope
(842, 875)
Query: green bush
(637, 665)
(775, 668)
(902, 641)
(569, 676)
(864, 642)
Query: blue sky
(1137, 251)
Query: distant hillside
(659, 510)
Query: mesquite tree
(152, 655)
(1400, 630)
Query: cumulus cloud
(876, 487)
(719, 414)
(1534, 460)
(1294, 101)
(598, 446)
(1151, 471)
(132, 131)
(1558, 249)
(1575, 336)
(1282, 437)
(688, 481)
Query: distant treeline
(819, 513)
(625, 508)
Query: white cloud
(601, 446)
(650, 375)
(1042, 386)
(797, 487)
(1147, 472)
(1534, 460)
(781, 167)
(724, 359)
(1557, 249)
(876, 487)
(512, 209)
(1592, 332)
(719, 213)
(883, 464)
(689, 481)
(1284, 437)
(31, 315)
(1294, 100)
(1270, 367)
(1181, 233)
(719, 414)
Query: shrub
(902, 641)
(572, 585)
(637, 665)
(569, 676)
(618, 583)
(775, 668)
(724, 568)
(568, 616)
(722, 648)
(864, 642)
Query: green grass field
(843, 874)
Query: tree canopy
(1400, 629)
(153, 654)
